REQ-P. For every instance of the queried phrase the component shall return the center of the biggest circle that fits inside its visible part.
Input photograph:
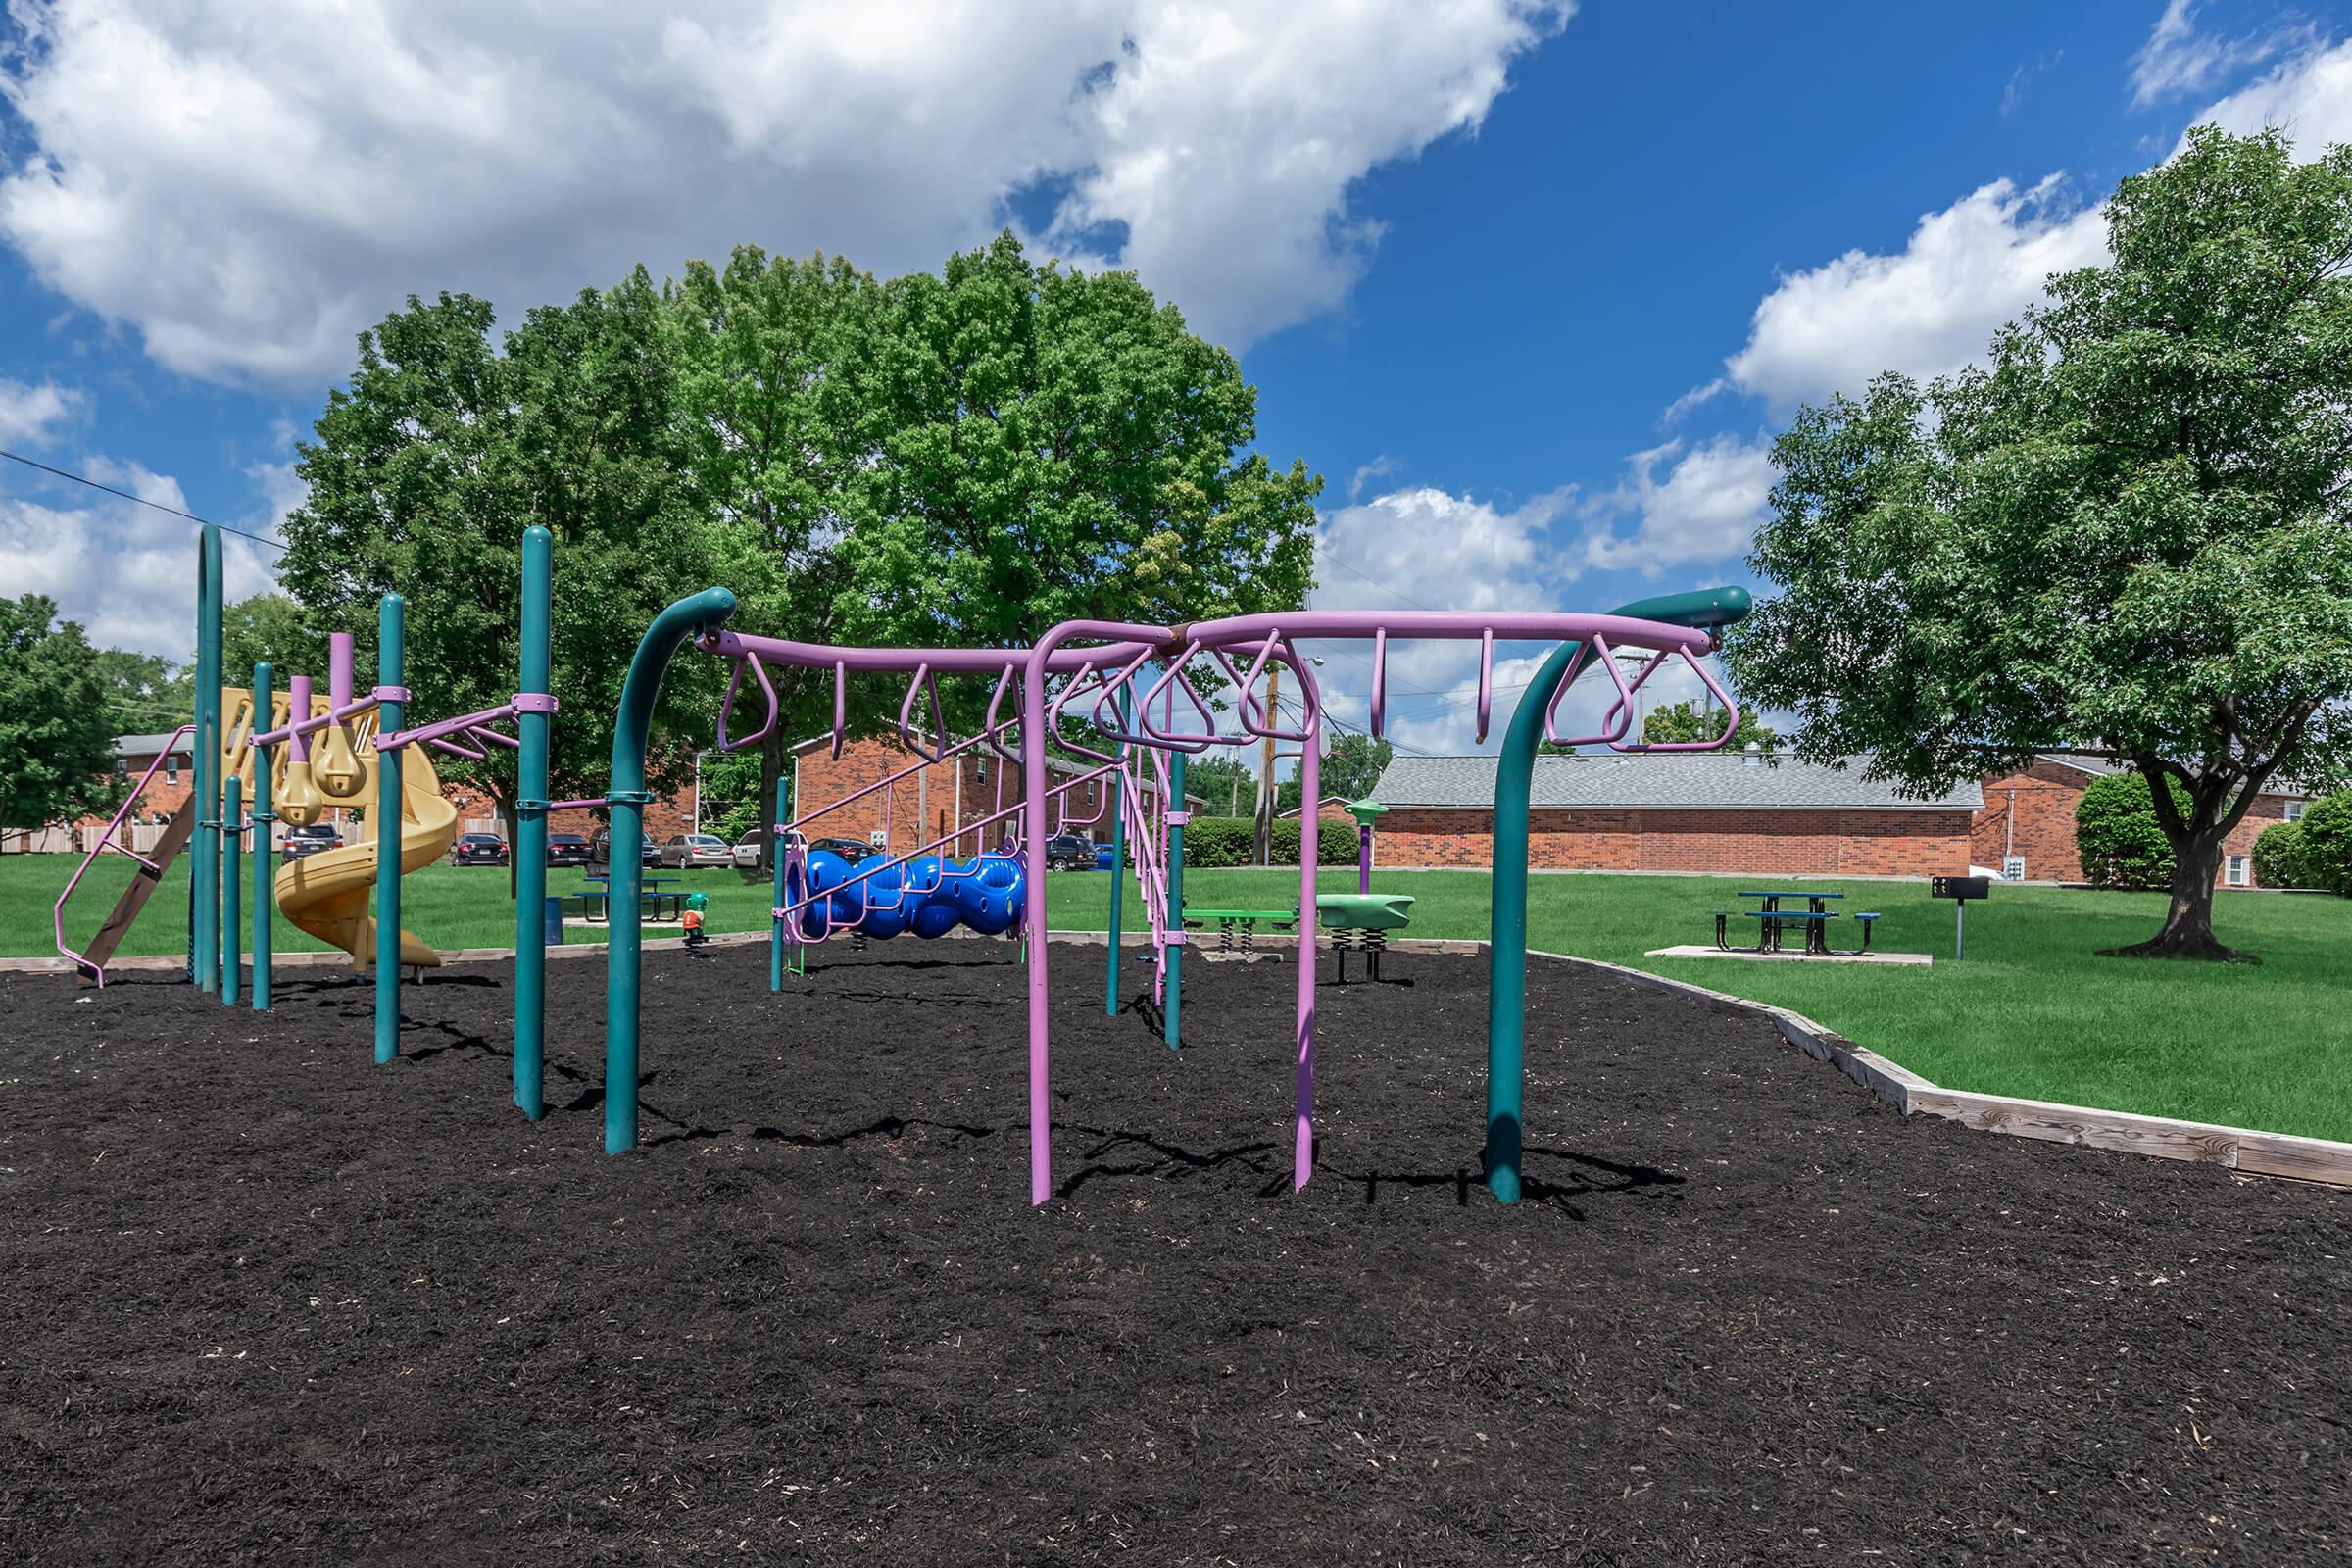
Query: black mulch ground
(266, 1301)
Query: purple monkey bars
(1107, 660)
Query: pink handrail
(57, 912)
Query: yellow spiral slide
(326, 893)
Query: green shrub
(2328, 844)
(2280, 858)
(2117, 835)
(1214, 842)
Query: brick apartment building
(1677, 812)
(2028, 816)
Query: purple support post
(299, 698)
(1033, 919)
(1310, 788)
(338, 670)
(1363, 856)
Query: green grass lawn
(2030, 1011)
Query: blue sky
(1532, 285)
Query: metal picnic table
(596, 904)
(1813, 921)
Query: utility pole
(1266, 776)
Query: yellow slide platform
(328, 894)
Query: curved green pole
(530, 827)
(204, 930)
(232, 898)
(392, 624)
(1506, 953)
(627, 798)
(262, 817)
(1118, 860)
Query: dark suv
(478, 849)
(304, 841)
(600, 851)
(567, 848)
(1070, 852)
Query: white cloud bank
(250, 183)
(1934, 305)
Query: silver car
(697, 848)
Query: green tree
(1685, 722)
(2118, 837)
(57, 721)
(1041, 445)
(2328, 844)
(2281, 857)
(1351, 765)
(425, 471)
(2130, 526)
(143, 694)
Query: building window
(170, 769)
(2235, 875)
(2294, 811)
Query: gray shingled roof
(1698, 780)
(147, 745)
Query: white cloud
(125, 571)
(1925, 311)
(305, 168)
(1933, 306)
(2309, 97)
(1706, 507)
(29, 416)
(2178, 60)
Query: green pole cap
(1364, 810)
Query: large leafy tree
(57, 723)
(1042, 444)
(425, 470)
(2128, 529)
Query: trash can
(552, 932)
(1102, 861)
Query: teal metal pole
(531, 824)
(776, 851)
(1118, 860)
(1173, 1013)
(232, 900)
(391, 632)
(1506, 953)
(204, 929)
(627, 797)
(262, 936)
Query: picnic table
(596, 904)
(1813, 921)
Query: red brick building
(2029, 817)
(1677, 812)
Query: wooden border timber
(2239, 1148)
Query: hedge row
(2315, 853)
(1210, 842)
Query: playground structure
(1133, 684)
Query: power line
(77, 478)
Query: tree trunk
(2188, 919)
(507, 816)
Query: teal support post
(391, 632)
(204, 925)
(232, 900)
(1507, 960)
(264, 937)
(631, 725)
(531, 725)
(775, 853)
(1118, 858)
(1172, 1015)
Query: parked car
(1070, 852)
(600, 848)
(749, 848)
(478, 849)
(303, 841)
(697, 848)
(568, 849)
